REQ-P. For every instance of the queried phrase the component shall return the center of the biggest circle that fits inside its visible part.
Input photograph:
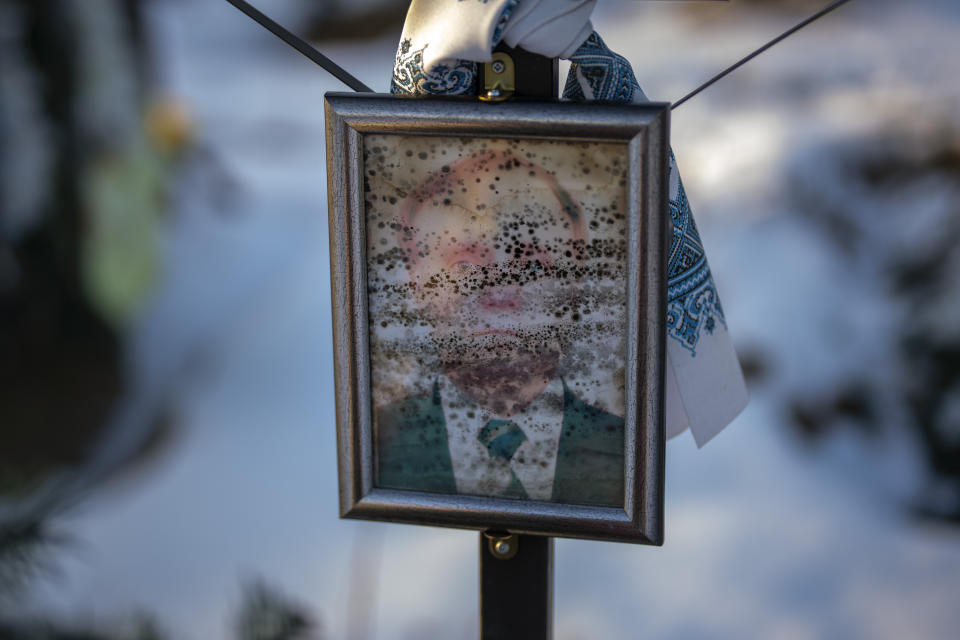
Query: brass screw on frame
(503, 546)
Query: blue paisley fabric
(455, 78)
(693, 306)
(452, 78)
(599, 74)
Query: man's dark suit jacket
(413, 453)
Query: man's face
(495, 251)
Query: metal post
(516, 571)
(516, 587)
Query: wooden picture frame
(429, 150)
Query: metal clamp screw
(502, 546)
(499, 81)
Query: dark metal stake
(516, 571)
(516, 587)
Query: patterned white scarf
(442, 42)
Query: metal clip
(502, 545)
(499, 78)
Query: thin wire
(302, 46)
(344, 76)
(753, 55)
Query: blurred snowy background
(167, 463)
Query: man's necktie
(502, 438)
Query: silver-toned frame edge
(645, 131)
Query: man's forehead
(482, 168)
(404, 162)
(492, 185)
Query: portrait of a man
(496, 296)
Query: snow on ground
(764, 539)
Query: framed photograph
(499, 298)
